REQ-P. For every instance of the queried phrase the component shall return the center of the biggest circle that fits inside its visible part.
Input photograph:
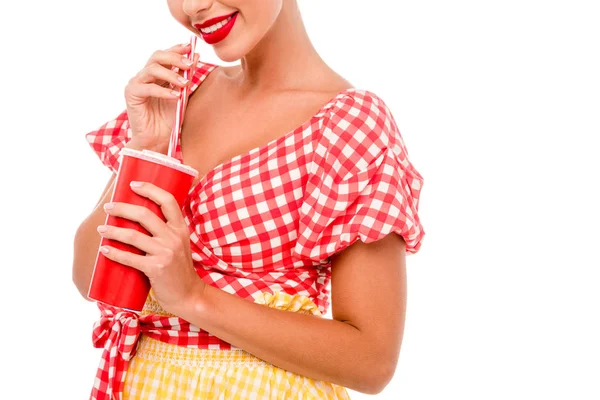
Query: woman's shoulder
(201, 72)
(360, 111)
(355, 101)
(356, 129)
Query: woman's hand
(168, 262)
(152, 94)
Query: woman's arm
(358, 349)
(87, 239)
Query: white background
(498, 103)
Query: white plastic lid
(159, 158)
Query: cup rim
(159, 158)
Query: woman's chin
(231, 52)
(228, 57)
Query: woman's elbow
(82, 287)
(375, 379)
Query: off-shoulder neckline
(275, 142)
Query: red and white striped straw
(182, 101)
(188, 74)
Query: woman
(240, 276)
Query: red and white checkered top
(269, 219)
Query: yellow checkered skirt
(164, 371)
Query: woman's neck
(284, 59)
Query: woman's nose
(193, 7)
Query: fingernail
(108, 206)
(186, 61)
(102, 228)
(182, 80)
(135, 184)
(175, 93)
(104, 250)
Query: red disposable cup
(117, 284)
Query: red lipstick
(221, 33)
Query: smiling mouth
(215, 27)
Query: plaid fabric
(118, 332)
(165, 371)
(108, 140)
(269, 219)
(169, 363)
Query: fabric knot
(117, 331)
(120, 328)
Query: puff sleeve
(108, 140)
(361, 184)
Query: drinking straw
(188, 74)
(182, 100)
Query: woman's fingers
(129, 236)
(144, 91)
(167, 202)
(150, 221)
(170, 58)
(157, 73)
(126, 258)
(165, 69)
(180, 48)
(151, 95)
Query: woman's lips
(213, 21)
(219, 34)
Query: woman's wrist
(195, 305)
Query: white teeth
(216, 26)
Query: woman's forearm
(315, 347)
(87, 241)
